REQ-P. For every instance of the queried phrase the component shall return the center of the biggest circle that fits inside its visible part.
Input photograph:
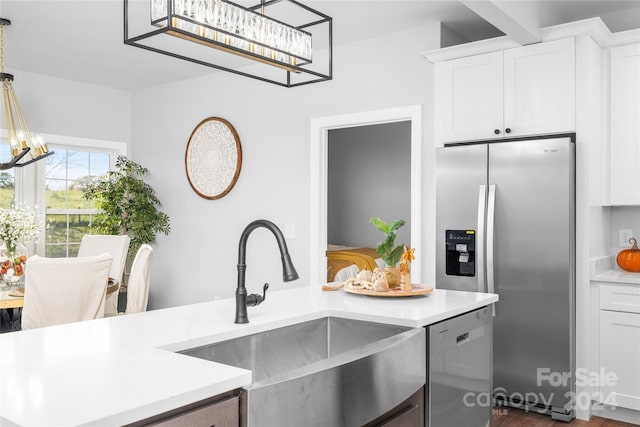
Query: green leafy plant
(127, 205)
(389, 254)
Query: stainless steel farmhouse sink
(325, 372)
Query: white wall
(63, 107)
(197, 261)
(369, 174)
(626, 218)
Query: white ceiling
(82, 40)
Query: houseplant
(389, 253)
(127, 205)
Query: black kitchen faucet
(289, 272)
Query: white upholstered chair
(64, 290)
(138, 283)
(117, 247)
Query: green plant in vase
(388, 251)
(128, 205)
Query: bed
(344, 262)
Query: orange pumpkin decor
(629, 259)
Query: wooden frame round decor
(213, 158)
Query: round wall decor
(213, 158)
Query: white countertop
(617, 276)
(122, 369)
(604, 269)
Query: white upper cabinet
(539, 82)
(469, 97)
(624, 139)
(527, 90)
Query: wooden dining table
(10, 309)
(8, 301)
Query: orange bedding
(361, 257)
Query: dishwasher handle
(462, 338)
(448, 339)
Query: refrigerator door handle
(482, 204)
(491, 205)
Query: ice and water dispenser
(461, 252)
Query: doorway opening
(320, 128)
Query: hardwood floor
(508, 417)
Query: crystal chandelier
(21, 139)
(233, 26)
(256, 33)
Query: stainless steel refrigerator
(505, 215)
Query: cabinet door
(468, 98)
(619, 354)
(539, 88)
(624, 143)
(618, 297)
(224, 413)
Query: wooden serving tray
(392, 293)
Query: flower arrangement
(405, 274)
(407, 257)
(16, 225)
(12, 269)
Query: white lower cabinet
(619, 350)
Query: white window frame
(29, 180)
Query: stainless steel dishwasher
(461, 371)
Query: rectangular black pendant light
(279, 41)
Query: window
(68, 214)
(54, 186)
(7, 179)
